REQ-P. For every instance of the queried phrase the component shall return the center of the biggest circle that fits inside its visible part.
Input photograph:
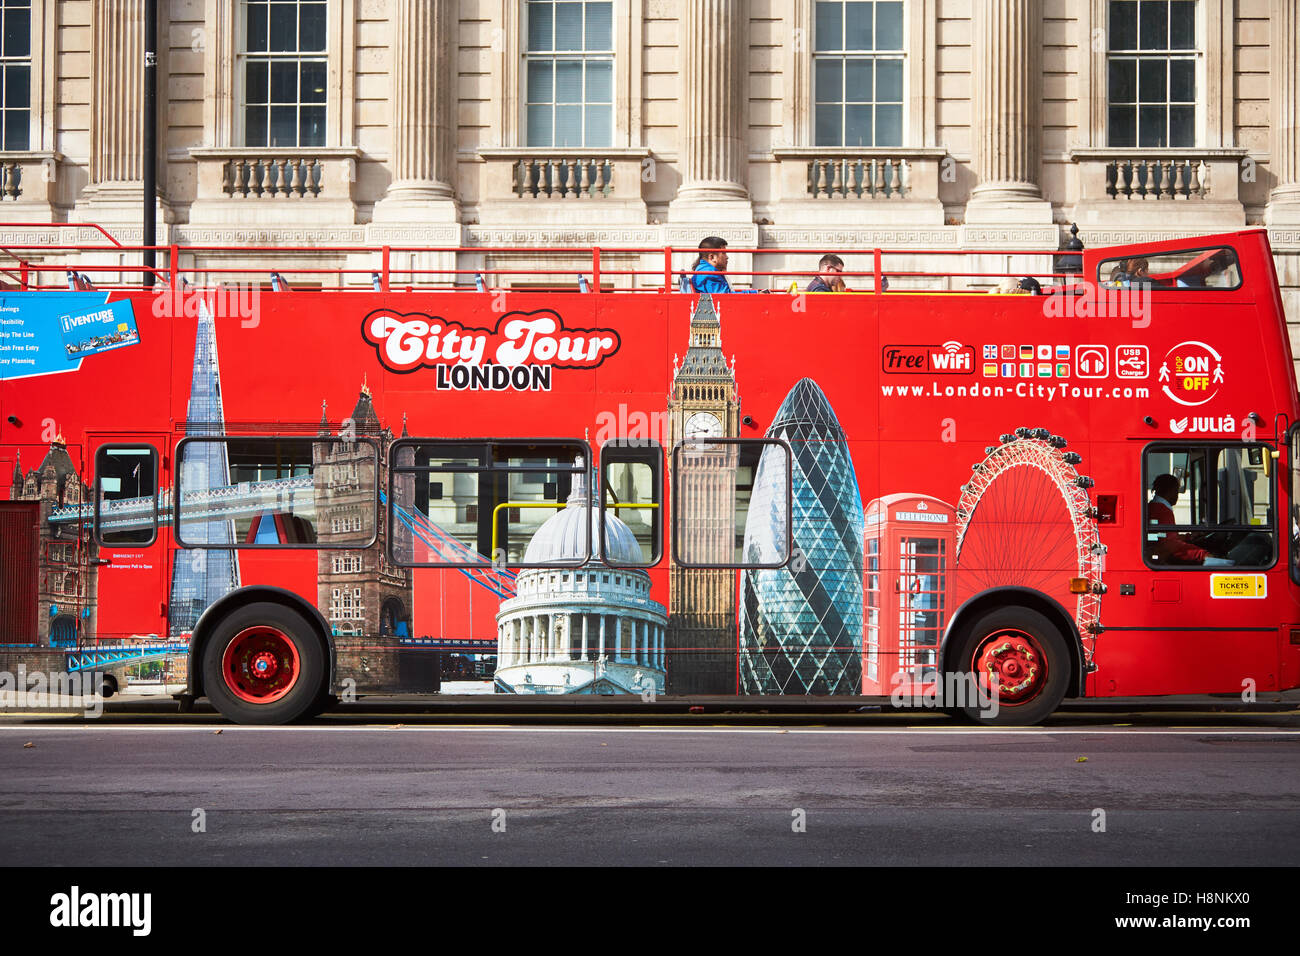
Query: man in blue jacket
(713, 262)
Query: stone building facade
(790, 126)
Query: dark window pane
(1182, 81)
(284, 82)
(568, 126)
(568, 26)
(284, 126)
(17, 131)
(829, 27)
(1151, 125)
(311, 26)
(1151, 81)
(889, 81)
(256, 78)
(312, 89)
(539, 126)
(284, 27)
(1182, 25)
(857, 81)
(600, 125)
(828, 84)
(1153, 25)
(1121, 129)
(18, 33)
(1122, 81)
(1182, 126)
(257, 27)
(889, 26)
(540, 78)
(600, 81)
(311, 126)
(1123, 25)
(889, 125)
(600, 26)
(540, 27)
(857, 126)
(857, 26)
(255, 126)
(18, 89)
(568, 81)
(828, 125)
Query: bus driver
(1172, 547)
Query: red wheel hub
(1013, 659)
(260, 664)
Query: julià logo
(76, 909)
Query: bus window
(1295, 502)
(319, 492)
(1214, 268)
(1208, 506)
(631, 489)
(484, 504)
(126, 495)
(731, 503)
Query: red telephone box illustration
(908, 549)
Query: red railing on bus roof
(383, 276)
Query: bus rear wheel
(264, 664)
(1020, 663)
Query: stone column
(601, 650)
(1284, 76)
(714, 150)
(114, 192)
(1006, 81)
(422, 157)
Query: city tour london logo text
(519, 354)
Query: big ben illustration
(703, 404)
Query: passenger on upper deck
(828, 275)
(713, 260)
(1173, 548)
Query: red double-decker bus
(308, 492)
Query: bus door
(1218, 576)
(130, 515)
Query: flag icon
(1026, 352)
(990, 352)
(1063, 370)
(1008, 370)
(1044, 369)
(1062, 353)
(1044, 353)
(1009, 352)
(990, 370)
(1026, 370)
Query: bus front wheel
(1019, 663)
(264, 664)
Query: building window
(16, 75)
(569, 80)
(1151, 73)
(284, 72)
(858, 73)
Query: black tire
(108, 686)
(306, 688)
(1047, 697)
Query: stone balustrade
(1206, 181)
(29, 179)
(250, 185)
(556, 185)
(815, 181)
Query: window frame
(635, 451)
(30, 62)
(1145, 528)
(1196, 54)
(487, 466)
(528, 56)
(243, 546)
(676, 497)
(240, 60)
(843, 55)
(157, 478)
(1157, 287)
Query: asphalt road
(1175, 790)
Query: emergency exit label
(1238, 586)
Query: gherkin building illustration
(801, 625)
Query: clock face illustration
(703, 425)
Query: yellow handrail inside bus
(548, 504)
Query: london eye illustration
(1025, 519)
